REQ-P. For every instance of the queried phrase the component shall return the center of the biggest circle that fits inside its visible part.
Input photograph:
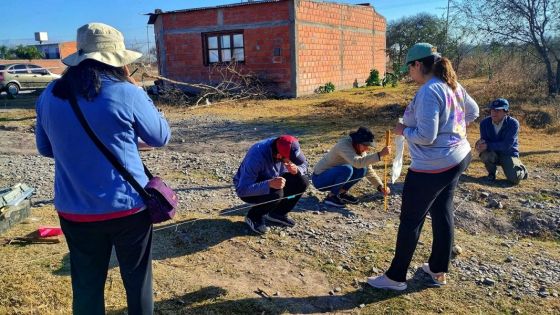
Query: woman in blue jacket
(97, 207)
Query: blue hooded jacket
(258, 167)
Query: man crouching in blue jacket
(272, 176)
(498, 143)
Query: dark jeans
(295, 184)
(90, 245)
(425, 192)
(339, 177)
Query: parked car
(24, 76)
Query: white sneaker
(383, 282)
(438, 278)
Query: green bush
(397, 70)
(390, 79)
(327, 88)
(373, 79)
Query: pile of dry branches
(228, 83)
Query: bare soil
(207, 261)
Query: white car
(24, 76)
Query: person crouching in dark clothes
(272, 176)
(499, 144)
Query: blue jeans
(339, 177)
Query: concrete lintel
(341, 28)
(228, 27)
(220, 17)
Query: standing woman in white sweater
(435, 128)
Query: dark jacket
(506, 141)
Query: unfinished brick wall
(67, 48)
(337, 43)
(293, 45)
(266, 32)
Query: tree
(4, 52)
(407, 31)
(373, 79)
(27, 52)
(533, 22)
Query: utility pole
(148, 40)
(446, 27)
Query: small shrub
(538, 119)
(390, 79)
(373, 79)
(396, 67)
(327, 88)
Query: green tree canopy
(20, 52)
(407, 31)
(27, 52)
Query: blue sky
(61, 18)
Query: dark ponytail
(441, 67)
(85, 79)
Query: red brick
(318, 47)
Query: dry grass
(221, 278)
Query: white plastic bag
(398, 160)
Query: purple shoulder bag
(160, 200)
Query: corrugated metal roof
(153, 16)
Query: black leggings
(425, 192)
(90, 245)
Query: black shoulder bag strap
(108, 154)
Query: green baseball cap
(417, 52)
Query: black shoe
(491, 177)
(281, 219)
(347, 198)
(257, 225)
(334, 201)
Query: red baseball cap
(288, 147)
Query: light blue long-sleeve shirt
(437, 121)
(85, 181)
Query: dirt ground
(207, 262)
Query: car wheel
(12, 89)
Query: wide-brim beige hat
(103, 43)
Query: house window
(223, 47)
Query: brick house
(297, 45)
(58, 50)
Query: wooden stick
(387, 143)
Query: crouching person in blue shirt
(272, 176)
(498, 143)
